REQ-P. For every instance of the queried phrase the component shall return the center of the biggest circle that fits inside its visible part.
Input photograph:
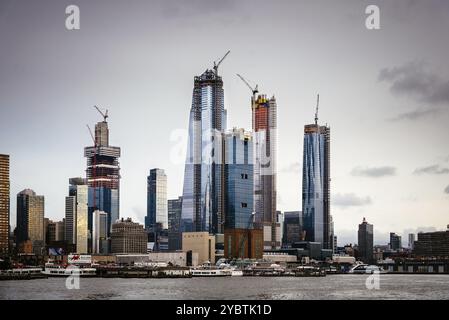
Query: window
(244, 205)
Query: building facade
(76, 215)
(366, 241)
(30, 220)
(203, 202)
(100, 243)
(432, 244)
(292, 228)
(4, 204)
(103, 175)
(128, 237)
(200, 242)
(264, 123)
(174, 224)
(317, 222)
(157, 211)
(395, 241)
(411, 240)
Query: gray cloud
(350, 200)
(374, 172)
(446, 190)
(295, 167)
(435, 169)
(416, 80)
(417, 114)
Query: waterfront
(332, 287)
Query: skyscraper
(30, 219)
(156, 199)
(203, 196)
(365, 241)
(264, 122)
(411, 240)
(76, 215)
(395, 241)
(100, 232)
(317, 222)
(292, 228)
(103, 174)
(4, 204)
(174, 224)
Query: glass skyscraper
(4, 204)
(203, 196)
(76, 215)
(103, 176)
(174, 224)
(365, 241)
(317, 222)
(157, 199)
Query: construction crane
(104, 115)
(317, 106)
(253, 90)
(216, 65)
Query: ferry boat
(365, 268)
(21, 274)
(56, 270)
(202, 272)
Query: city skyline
(392, 105)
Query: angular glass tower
(317, 222)
(203, 196)
(103, 175)
(157, 211)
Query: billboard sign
(79, 258)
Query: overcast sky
(384, 93)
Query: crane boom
(216, 65)
(92, 135)
(317, 106)
(253, 90)
(104, 115)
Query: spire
(317, 106)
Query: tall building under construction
(264, 123)
(203, 194)
(103, 174)
(317, 222)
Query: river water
(330, 287)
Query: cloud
(446, 190)
(350, 200)
(417, 114)
(416, 80)
(374, 172)
(435, 169)
(295, 167)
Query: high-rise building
(317, 222)
(157, 211)
(242, 235)
(4, 204)
(30, 220)
(100, 232)
(103, 175)
(203, 196)
(76, 215)
(174, 224)
(411, 240)
(128, 237)
(264, 123)
(395, 241)
(432, 244)
(292, 228)
(54, 231)
(365, 241)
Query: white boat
(365, 268)
(55, 270)
(203, 272)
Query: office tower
(316, 184)
(156, 199)
(76, 215)
(411, 240)
(128, 237)
(203, 196)
(432, 244)
(292, 228)
(100, 232)
(30, 219)
(395, 241)
(242, 235)
(103, 175)
(365, 241)
(264, 123)
(4, 204)
(174, 224)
